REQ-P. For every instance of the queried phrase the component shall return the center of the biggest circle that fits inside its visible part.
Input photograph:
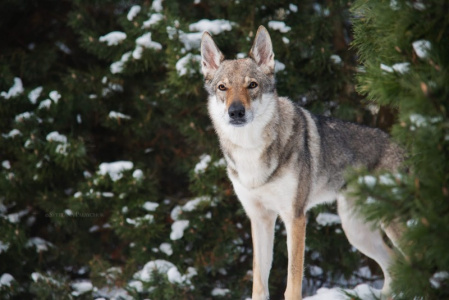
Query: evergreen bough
(403, 46)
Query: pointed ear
(211, 56)
(262, 50)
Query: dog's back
(345, 144)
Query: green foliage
(84, 103)
(417, 34)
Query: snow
(279, 25)
(163, 267)
(63, 47)
(45, 104)
(315, 270)
(55, 96)
(220, 163)
(385, 179)
(138, 174)
(368, 180)
(157, 5)
(117, 115)
(15, 90)
(117, 67)
(34, 94)
(327, 219)
(190, 40)
(370, 200)
(219, 292)
(278, 66)
(177, 229)
(293, 7)
(12, 133)
(189, 206)
(113, 38)
(212, 26)
(55, 136)
(418, 120)
(147, 219)
(362, 291)
(394, 5)
(36, 276)
(145, 41)
(133, 11)
(438, 278)
(15, 217)
(3, 247)
(112, 293)
(94, 228)
(115, 169)
(62, 149)
(160, 265)
(336, 59)
(81, 287)
(137, 285)
(422, 48)
(39, 243)
(182, 63)
(193, 204)
(174, 276)
(401, 67)
(153, 20)
(418, 5)
(6, 279)
(320, 11)
(386, 68)
(150, 206)
(137, 53)
(166, 248)
(200, 167)
(176, 211)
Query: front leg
(296, 236)
(262, 230)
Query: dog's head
(240, 90)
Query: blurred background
(112, 184)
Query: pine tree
(112, 182)
(403, 47)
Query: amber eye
(252, 85)
(221, 87)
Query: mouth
(238, 123)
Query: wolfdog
(283, 160)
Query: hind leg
(366, 239)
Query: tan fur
(238, 92)
(297, 239)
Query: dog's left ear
(262, 50)
(211, 56)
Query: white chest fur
(250, 168)
(277, 195)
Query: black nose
(236, 111)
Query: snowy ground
(362, 291)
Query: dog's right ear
(211, 56)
